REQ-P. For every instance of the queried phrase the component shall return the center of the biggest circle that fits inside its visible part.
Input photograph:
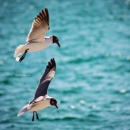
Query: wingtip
(53, 59)
(43, 15)
(46, 9)
(51, 63)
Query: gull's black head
(53, 102)
(55, 40)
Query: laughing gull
(36, 39)
(41, 99)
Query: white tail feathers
(23, 110)
(19, 50)
(26, 108)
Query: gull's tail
(24, 109)
(19, 50)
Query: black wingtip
(47, 13)
(46, 9)
(51, 64)
(43, 15)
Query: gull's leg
(33, 116)
(23, 56)
(37, 115)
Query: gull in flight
(36, 39)
(41, 99)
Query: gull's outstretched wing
(46, 79)
(39, 27)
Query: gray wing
(46, 79)
(39, 27)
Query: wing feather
(39, 27)
(46, 79)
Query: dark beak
(56, 106)
(58, 44)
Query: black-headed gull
(41, 99)
(36, 39)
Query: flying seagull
(42, 99)
(36, 39)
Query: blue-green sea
(92, 80)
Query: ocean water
(92, 80)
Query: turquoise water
(92, 81)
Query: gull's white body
(36, 39)
(41, 104)
(34, 46)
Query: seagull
(36, 39)
(41, 99)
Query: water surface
(92, 81)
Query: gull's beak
(58, 43)
(56, 106)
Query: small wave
(80, 60)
